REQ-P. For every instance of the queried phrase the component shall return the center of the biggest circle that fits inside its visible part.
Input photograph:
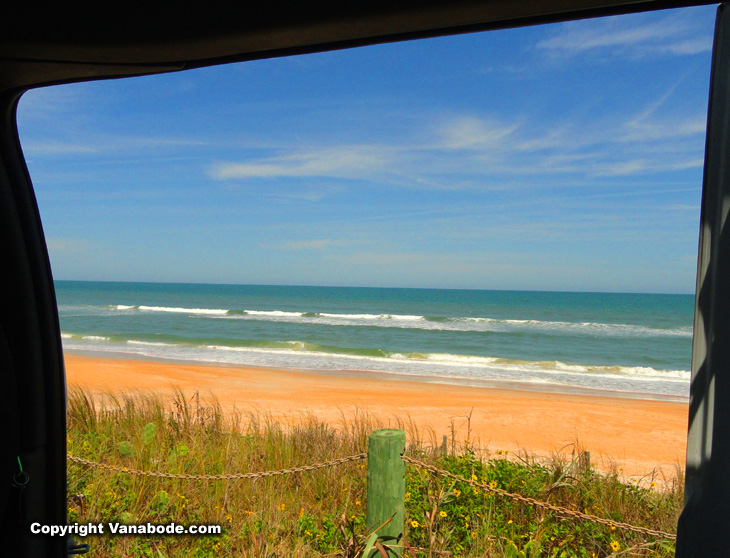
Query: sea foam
(443, 323)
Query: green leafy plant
(322, 513)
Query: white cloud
(46, 103)
(32, 148)
(67, 245)
(108, 145)
(692, 46)
(647, 125)
(643, 130)
(480, 152)
(620, 168)
(319, 244)
(631, 37)
(340, 161)
(468, 132)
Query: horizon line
(370, 287)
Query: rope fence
(565, 512)
(233, 476)
(562, 511)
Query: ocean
(637, 344)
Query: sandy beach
(639, 436)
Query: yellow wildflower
(493, 484)
(615, 546)
(408, 496)
(473, 534)
(457, 492)
(442, 513)
(414, 524)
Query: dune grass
(322, 513)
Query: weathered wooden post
(386, 487)
(587, 460)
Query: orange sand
(637, 435)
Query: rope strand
(544, 505)
(231, 476)
(565, 512)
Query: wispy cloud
(337, 161)
(650, 125)
(476, 151)
(691, 46)
(317, 244)
(469, 132)
(109, 145)
(46, 103)
(34, 148)
(68, 245)
(644, 128)
(309, 193)
(632, 37)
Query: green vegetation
(322, 513)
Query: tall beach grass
(322, 513)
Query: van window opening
(513, 209)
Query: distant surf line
(445, 323)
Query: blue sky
(559, 157)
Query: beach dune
(640, 437)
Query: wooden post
(444, 445)
(386, 487)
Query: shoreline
(510, 385)
(640, 436)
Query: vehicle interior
(50, 44)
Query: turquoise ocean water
(634, 343)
